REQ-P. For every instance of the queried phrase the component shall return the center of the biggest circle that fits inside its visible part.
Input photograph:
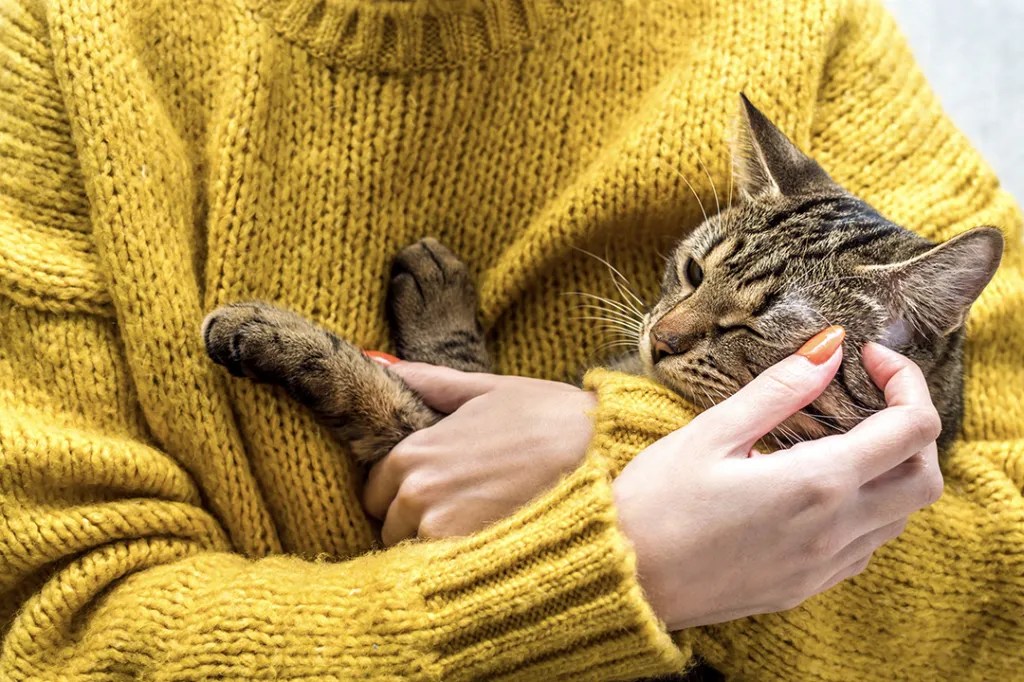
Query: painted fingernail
(381, 358)
(822, 345)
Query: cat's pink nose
(666, 342)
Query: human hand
(506, 440)
(719, 536)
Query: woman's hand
(720, 536)
(505, 441)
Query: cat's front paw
(260, 341)
(429, 285)
(432, 308)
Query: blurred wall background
(973, 55)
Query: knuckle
(924, 424)
(784, 384)
(411, 450)
(896, 530)
(820, 547)
(803, 585)
(826, 490)
(806, 589)
(932, 487)
(402, 454)
(432, 526)
(416, 492)
(860, 566)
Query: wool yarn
(159, 158)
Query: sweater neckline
(411, 35)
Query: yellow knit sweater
(160, 157)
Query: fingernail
(823, 344)
(381, 358)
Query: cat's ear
(930, 294)
(765, 161)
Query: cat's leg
(432, 309)
(360, 401)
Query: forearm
(550, 591)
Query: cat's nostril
(661, 349)
(665, 343)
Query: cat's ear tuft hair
(766, 162)
(933, 292)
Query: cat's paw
(430, 294)
(262, 342)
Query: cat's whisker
(621, 324)
(718, 207)
(693, 191)
(615, 344)
(789, 433)
(625, 315)
(818, 418)
(618, 333)
(622, 286)
(732, 173)
(714, 395)
(610, 325)
(624, 322)
(616, 305)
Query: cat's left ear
(932, 293)
(767, 162)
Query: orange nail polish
(381, 358)
(822, 345)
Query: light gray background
(973, 55)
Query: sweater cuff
(632, 412)
(550, 592)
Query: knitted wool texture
(162, 157)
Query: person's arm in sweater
(112, 565)
(945, 600)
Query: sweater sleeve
(946, 599)
(113, 566)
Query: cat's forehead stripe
(806, 207)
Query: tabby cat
(795, 254)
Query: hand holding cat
(720, 536)
(507, 440)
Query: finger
(443, 388)
(855, 568)
(896, 375)
(400, 523)
(903, 490)
(869, 542)
(382, 484)
(778, 392)
(909, 425)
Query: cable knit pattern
(161, 520)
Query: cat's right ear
(931, 294)
(766, 162)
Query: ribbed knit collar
(411, 35)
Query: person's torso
(286, 153)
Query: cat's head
(794, 254)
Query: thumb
(443, 388)
(779, 392)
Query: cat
(743, 290)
